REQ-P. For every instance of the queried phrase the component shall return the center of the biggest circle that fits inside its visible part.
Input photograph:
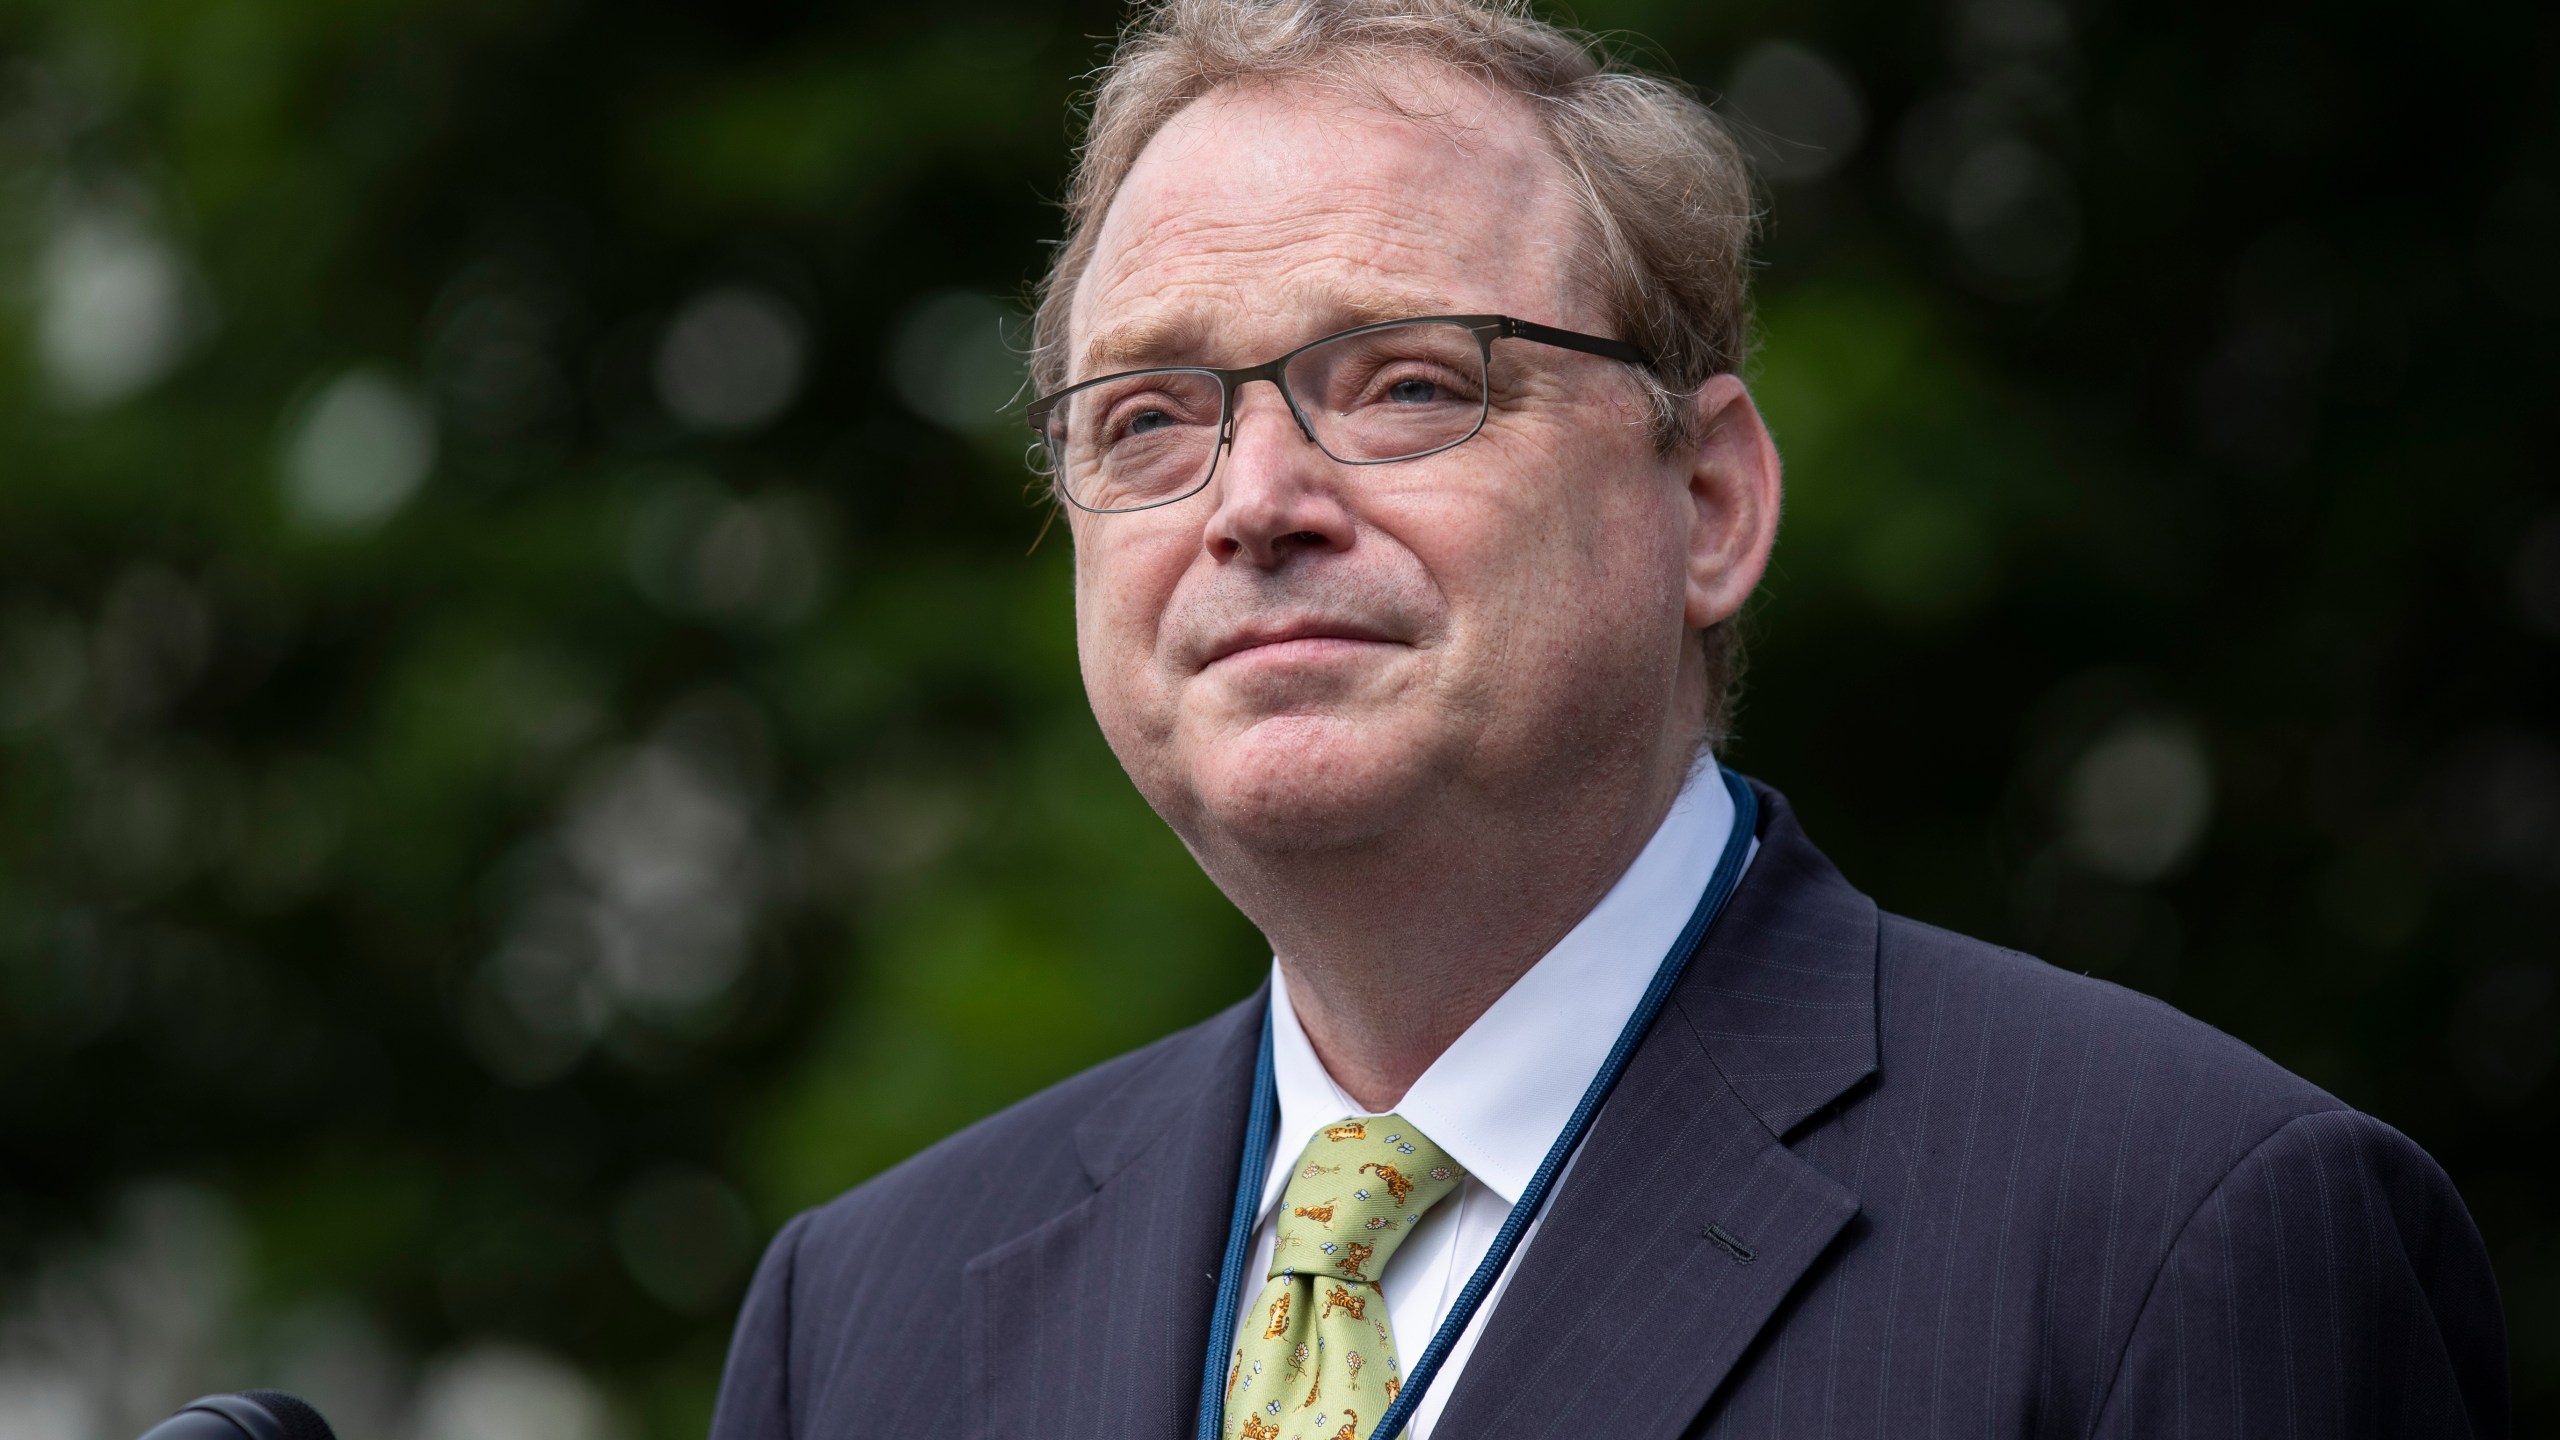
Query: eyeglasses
(1371, 395)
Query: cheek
(1123, 580)
(1566, 564)
(1560, 522)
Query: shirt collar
(1497, 1098)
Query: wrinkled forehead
(1265, 214)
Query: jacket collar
(1195, 1083)
(1096, 1323)
(1782, 993)
(1636, 1259)
(1687, 1221)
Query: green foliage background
(473, 912)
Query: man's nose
(1277, 493)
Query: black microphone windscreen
(250, 1415)
(196, 1425)
(299, 1420)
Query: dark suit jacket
(1973, 1195)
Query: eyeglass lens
(1131, 441)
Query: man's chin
(1298, 782)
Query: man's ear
(1733, 499)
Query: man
(1388, 381)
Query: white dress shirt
(1499, 1096)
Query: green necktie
(1315, 1353)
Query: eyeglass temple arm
(1574, 340)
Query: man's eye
(1413, 384)
(1139, 420)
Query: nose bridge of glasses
(1275, 371)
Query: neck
(1385, 976)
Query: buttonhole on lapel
(1731, 1242)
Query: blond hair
(1665, 189)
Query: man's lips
(1254, 638)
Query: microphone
(250, 1415)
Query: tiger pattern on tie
(1372, 1176)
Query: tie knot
(1359, 1188)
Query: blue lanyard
(1255, 1169)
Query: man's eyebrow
(1367, 302)
(1174, 337)
(1143, 340)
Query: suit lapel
(1097, 1323)
(1686, 1219)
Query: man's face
(1307, 653)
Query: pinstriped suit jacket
(1974, 1196)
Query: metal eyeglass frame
(1486, 329)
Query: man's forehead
(1311, 210)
